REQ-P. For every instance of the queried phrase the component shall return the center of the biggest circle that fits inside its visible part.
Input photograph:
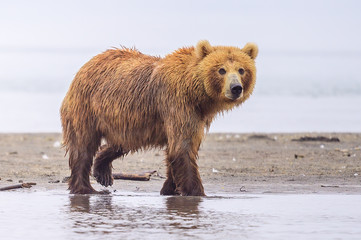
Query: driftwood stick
(22, 185)
(134, 176)
(315, 139)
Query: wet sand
(229, 164)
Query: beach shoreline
(232, 163)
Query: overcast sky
(159, 26)
(44, 43)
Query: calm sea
(295, 91)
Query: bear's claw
(104, 176)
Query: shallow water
(58, 215)
(260, 114)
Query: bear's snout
(236, 89)
(233, 88)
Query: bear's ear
(203, 48)
(251, 49)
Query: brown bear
(134, 101)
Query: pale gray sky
(159, 26)
(308, 48)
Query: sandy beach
(229, 163)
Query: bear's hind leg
(80, 162)
(103, 164)
(81, 149)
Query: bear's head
(228, 73)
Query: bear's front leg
(169, 187)
(182, 163)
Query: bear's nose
(236, 89)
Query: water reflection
(81, 203)
(111, 213)
(183, 206)
(150, 216)
(183, 213)
(161, 216)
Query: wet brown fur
(135, 101)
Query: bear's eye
(241, 71)
(222, 71)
